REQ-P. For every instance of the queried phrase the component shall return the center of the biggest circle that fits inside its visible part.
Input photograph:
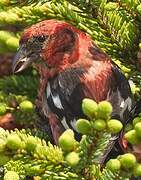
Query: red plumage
(71, 68)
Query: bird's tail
(135, 111)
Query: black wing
(64, 95)
(65, 92)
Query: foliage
(115, 27)
(23, 154)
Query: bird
(71, 67)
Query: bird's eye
(41, 38)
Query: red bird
(71, 68)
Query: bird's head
(50, 43)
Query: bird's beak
(21, 60)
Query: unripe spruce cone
(104, 109)
(89, 107)
(12, 18)
(12, 43)
(83, 126)
(67, 141)
(4, 35)
(26, 106)
(138, 129)
(127, 160)
(131, 137)
(136, 120)
(137, 170)
(69, 132)
(72, 158)
(113, 165)
(114, 126)
(99, 124)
